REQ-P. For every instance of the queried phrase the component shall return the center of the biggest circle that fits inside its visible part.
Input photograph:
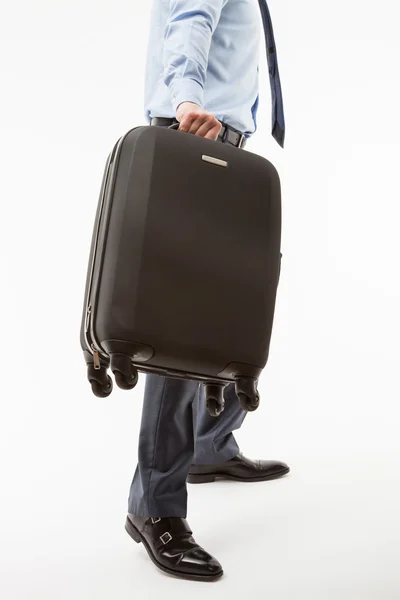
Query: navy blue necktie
(278, 119)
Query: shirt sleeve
(187, 41)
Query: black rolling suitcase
(184, 265)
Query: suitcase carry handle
(174, 126)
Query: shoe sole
(209, 477)
(137, 537)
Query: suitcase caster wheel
(214, 399)
(214, 408)
(126, 383)
(246, 391)
(101, 383)
(100, 390)
(247, 403)
(126, 376)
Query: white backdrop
(72, 84)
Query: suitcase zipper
(96, 358)
(88, 312)
(92, 348)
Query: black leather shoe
(238, 468)
(171, 547)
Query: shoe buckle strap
(176, 528)
(166, 537)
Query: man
(202, 71)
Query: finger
(186, 122)
(213, 133)
(199, 122)
(211, 127)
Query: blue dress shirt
(207, 52)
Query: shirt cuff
(186, 90)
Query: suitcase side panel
(83, 338)
(96, 253)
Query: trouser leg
(166, 448)
(214, 440)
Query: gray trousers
(176, 432)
